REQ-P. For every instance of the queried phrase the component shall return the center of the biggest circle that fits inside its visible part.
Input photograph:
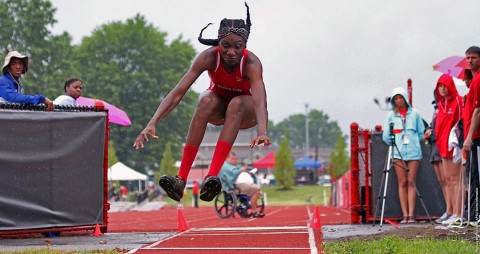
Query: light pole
(307, 145)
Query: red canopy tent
(268, 161)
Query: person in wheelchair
(233, 177)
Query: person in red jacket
(235, 99)
(472, 134)
(435, 159)
(195, 189)
(449, 112)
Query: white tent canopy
(120, 172)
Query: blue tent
(307, 162)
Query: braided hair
(227, 27)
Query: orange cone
(182, 223)
(315, 223)
(97, 231)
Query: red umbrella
(463, 63)
(115, 115)
(453, 66)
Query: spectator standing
(15, 65)
(467, 78)
(195, 189)
(408, 131)
(124, 192)
(235, 99)
(449, 112)
(471, 118)
(435, 158)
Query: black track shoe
(173, 186)
(210, 188)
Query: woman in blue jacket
(408, 129)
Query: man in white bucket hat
(14, 66)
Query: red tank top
(228, 85)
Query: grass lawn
(399, 245)
(298, 195)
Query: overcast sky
(334, 55)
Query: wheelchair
(229, 202)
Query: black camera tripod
(388, 166)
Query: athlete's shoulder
(208, 53)
(253, 60)
(206, 59)
(251, 55)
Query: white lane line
(132, 251)
(269, 213)
(238, 234)
(311, 241)
(277, 211)
(194, 231)
(166, 239)
(248, 228)
(311, 236)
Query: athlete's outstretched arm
(200, 64)
(254, 72)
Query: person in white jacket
(73, 88)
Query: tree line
(128, 64)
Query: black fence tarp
(427, 184)
(51, 169)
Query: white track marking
(237, 231)
(167, 238)
(311, 241)
(248, 228)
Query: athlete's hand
(262, 139)
(148, 131)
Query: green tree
(167, 167)
(24, 27)
(339, 157)
(322, 131)
(112, 154)
(130, 65)
(284, 170)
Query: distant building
(241, 147)
(246, 155)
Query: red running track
(284, 229)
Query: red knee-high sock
(219, 156)
(189, 154)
